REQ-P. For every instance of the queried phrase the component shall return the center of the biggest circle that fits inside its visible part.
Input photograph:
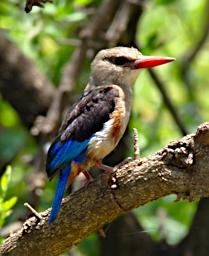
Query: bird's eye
(119, 61)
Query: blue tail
(63, 178)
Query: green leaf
(7, 205)
(5, 180)
(89, 246)
(83, 2)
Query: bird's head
(121, 65)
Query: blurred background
(45, 60)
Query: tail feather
(60, 189)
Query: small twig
(166, 99)
(190, 55)
(119, 24)
(101, 232)
(162, 216)
(101, 18)
(33, 211)
(136, 145)
(125, 15)
(136, 152)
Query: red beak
(151, 61)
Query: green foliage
(41, 34)
(177, 217)
(90, 246)
(6, 205)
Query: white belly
(104, 142)
(107, 139)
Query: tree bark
(199, 232)
(20, 79)
(181, 168)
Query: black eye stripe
(119, 61)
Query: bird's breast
(118, 118)
(104, 141)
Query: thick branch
(49, 124)
(26, 89)
(101, 19)
(181, 168)
(199, 232)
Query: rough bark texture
(20, 79)
(181, 168)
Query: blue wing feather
(61, 154)
(63, 178)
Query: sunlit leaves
(173, 217)
(165, 2)
(5, 204)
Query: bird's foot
(110, 169)
(89, 178)
(105, 168)
(125, 161)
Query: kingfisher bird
(94, 125)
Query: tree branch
(49, 124)
(190, 55)
(21, 83)
(166, 99)
(181, 168)
(199, 232)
